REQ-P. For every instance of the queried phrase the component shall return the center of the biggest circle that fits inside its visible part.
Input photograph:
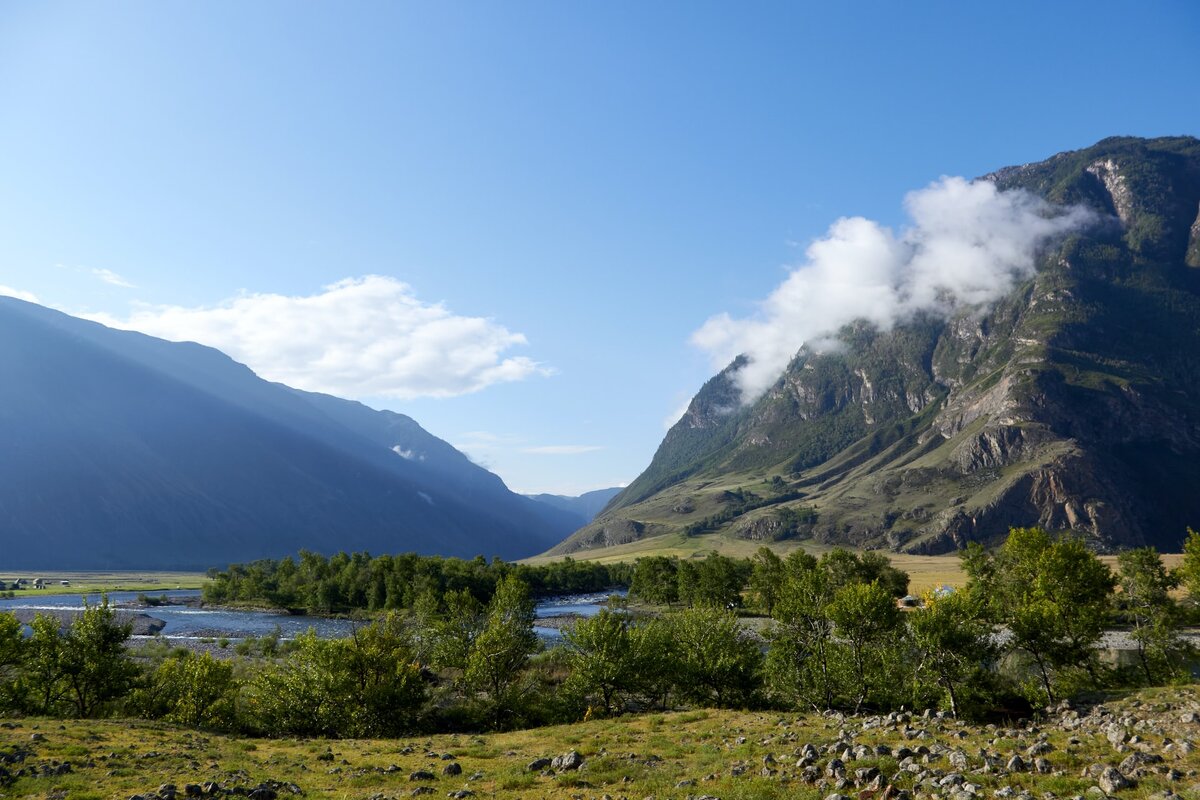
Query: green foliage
(1155, 617)
(366, 685)
(716, 580)
(655, 580)
(82, 670)
(358, 581)
(716, 662)
(845, 568)
(12, 660)
(954, 647)
(197, 691)
(603, 661)
(499, 653)
(1188, 572)
(867, 621)
(800, 661)
(766, 577)
(1052, 595)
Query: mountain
(126, 451)
(585, 507)
(1073, 403)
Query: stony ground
(1142, 745)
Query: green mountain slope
(1074, 403)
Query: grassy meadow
(669, 756)
(925, 572)
(82, 582)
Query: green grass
(634, 756)
(82, 582)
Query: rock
(1015, 764)
(453, 768)
(537, 765)
(422, 775)
(37, 737)
(567, 762)
(193, 790)
(461, 794)
(420, 790)
(1135, 761)
(1111, 780)
(1116, 735)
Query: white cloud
(968, 245)
(110, 277)
(360, 337)
(562, 449)
(8, 291)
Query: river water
(191, 622)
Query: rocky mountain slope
(125, 451)
(1074, 403)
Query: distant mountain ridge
(126, 451)
(1074, 403)
(585, 506)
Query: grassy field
(86, 582)
(925, 572)
(720, 752)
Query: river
(185, 621)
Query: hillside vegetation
(1073, 403)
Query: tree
(865, 617)
(719, 581)
(1147, 603)
(766, 577)
(1188, 571)
(1052, 594)
(845, 567)
(305, 694)
(717, 662)
(799, 665)
(655, 580)
(96, 667)
(44, 688)
(953, 643)
(384, 677)
(452, 635)
(12, 659)
(197, 691)
(601, 657)
(501, 650)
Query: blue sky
(554, 196)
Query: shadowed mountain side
(125, 451)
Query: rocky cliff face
(1072, 404)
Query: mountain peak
(1071, 403)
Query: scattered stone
(422, 775)
(1111, 780)
(538, 764)
(453, 768)
(567, 762)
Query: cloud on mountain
(359, 337)
(969, 244)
